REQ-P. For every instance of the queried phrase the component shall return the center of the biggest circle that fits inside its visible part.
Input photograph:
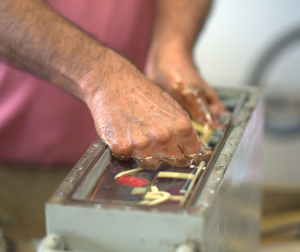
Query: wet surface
(121, 183)
(124, 187)
(109, 188)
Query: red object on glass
(125, 180)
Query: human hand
(177, 74)
(137, 119)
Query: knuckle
(161, 137)
(142, 144)
(184, 127)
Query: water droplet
(208, 116)
(95, 145)
(127, 208)
(185, 213)
(98, 206)
(212, 191)
(222, 166)
(78, 168)
(206, 204)
(204, 168)
(61, 193)
(199, 100)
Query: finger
(194, 100)
(193, 148)
(204, 150)
(196, 152)
(172, 154)
(199, 109)
(174, 157)
(215, 105)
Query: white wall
(237, 33)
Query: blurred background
(258, 43)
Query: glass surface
(136, 186)
(146, 187)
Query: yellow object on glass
(206, 132)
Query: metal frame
(200, 207)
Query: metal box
(221, 214)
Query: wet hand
(177, 74)
(139, 120)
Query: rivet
(86, 156)
(78, 168)
(69, 180)
(222, 166)
(95, 145)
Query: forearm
(170, 60)
(39, 40)
(177, 23)
(133, 116)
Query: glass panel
(170, 185)
(142, 186)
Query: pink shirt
(41, 124)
